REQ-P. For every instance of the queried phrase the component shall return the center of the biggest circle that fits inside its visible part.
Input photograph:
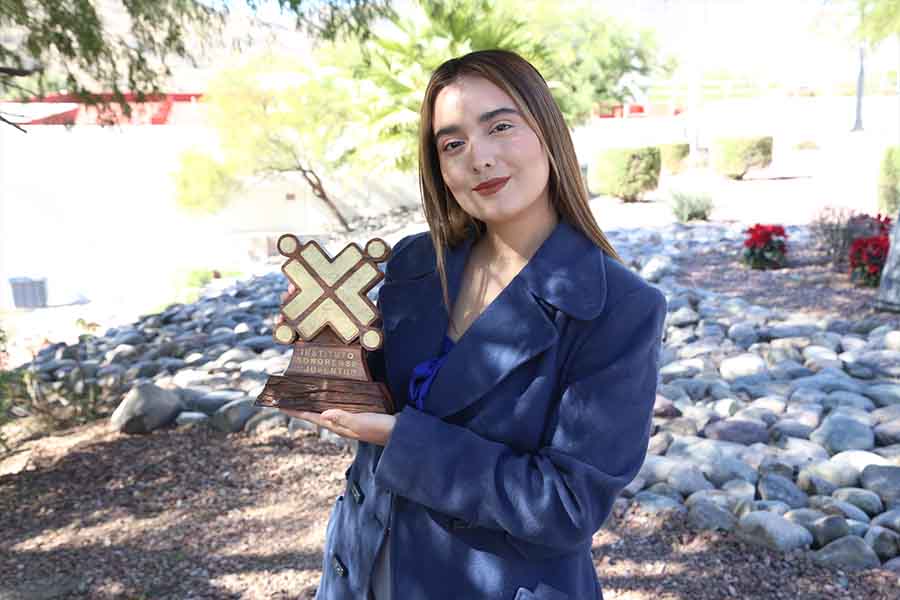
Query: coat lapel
(511, 330)
(567, 272)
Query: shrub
(867, 258)
(733, 157)
(889, 182)
(806, 145)
(766, 247)
(8, 380)
(834, 230)
(625, 173)
(687, 206)
(673, 156)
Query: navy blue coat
(537, 420)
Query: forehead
(465, 99)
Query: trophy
(331, 324)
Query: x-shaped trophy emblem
(331, 322)
(331, 293)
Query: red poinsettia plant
(765, 247)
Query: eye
(450, 145)
(501, 127)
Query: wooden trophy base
(327, 374)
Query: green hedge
(673, 156)
(733, 157)
(625, 173)
(889, 182)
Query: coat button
(357, 493)
(339, 567)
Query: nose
(482, 155)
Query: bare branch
(18, 71)
(8, 122)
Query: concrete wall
(93, 210)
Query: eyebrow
(483, 118)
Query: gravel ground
(191, 513)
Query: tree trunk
(859, 89)
(319, 192)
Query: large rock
(865, 500)
(704, 514)
(233, 416)
(656, 504)
(773, 531)
(884, 481)
(838, 474)
(839, 432)
(738, 430)
(884, 394)
(889, 519)
(776, 487)
(887, 434)
(145, 407)
(885, 542)
(850, 553)
(827, 529)
(742, 365)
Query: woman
(523, 355)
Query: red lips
(491, 185)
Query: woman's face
(491, 160)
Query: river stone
(839, 432)
(659, 443)
(865, 500)
(842, 398)
(233, 416)
(850, 553)
(832, 506)
(889, 519)
(723, 469)
(888, 433)
(804, 516)
(144, 408)
(740, 489)
(857, 527)
(657, 468)
(885, 414)
(656, 504)
(657, 267)
(682, 317)
(187, 417)
(704, 514)
(884, 394)
(827, 529)
(776, 487)
(267, 419)
(773, 531)
(884, 481)
(885, 542)
(687, 479)
(742, 365)
(741, 431)
(664, 489)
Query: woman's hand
(374, 428)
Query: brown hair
(447, 221)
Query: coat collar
(567, 271)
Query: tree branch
(18, 71)
(8, 122)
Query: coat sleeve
(558, 496)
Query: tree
(277, 114)
(358, 104)
(95, 47)
(585, 57)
